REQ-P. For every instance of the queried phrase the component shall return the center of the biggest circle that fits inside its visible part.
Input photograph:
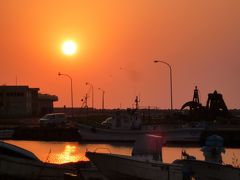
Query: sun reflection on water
(63, 152)
(69, 154)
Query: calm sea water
(62, 152)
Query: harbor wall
(46, 134)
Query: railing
(99, 148)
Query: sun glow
(69, 48)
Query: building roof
(14, 88)
(47, 97)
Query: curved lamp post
(103, 94)
(60, 74)
(87, 83)
(170, 70)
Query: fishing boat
(127, 126)
(212, 168)
(145, 163)
(16, 162)
(122, 126)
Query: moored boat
(89, 133)
(123, 126)
(212, 168)
(16, 162)
(144, 164)
(127, 126)
(203, 170)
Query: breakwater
(46, 134)
(231, 136)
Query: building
(22, 101)
(45, 103)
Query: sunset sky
(118, 40)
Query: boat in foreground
(203, 170)
(19, 163)
(144, 164)
(212, 168)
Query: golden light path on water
(63, 152)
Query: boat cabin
(148, 147)
(129, 119)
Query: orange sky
(118, 41)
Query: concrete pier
(47, 134)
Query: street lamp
(170, 70)
(60, 74)
(87, 83)
(103, 94)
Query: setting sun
(69, 47)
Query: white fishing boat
(212, 168)
(16, 162)
(127, 126)
(123, 126)
(89, 133)
(144, 164)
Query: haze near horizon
(117, 42)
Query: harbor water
(63, 152)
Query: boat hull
(119, 167)
(202, 170)
(186, 135)
(89, 133)
(30, 169)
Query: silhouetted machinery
(214, 108)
